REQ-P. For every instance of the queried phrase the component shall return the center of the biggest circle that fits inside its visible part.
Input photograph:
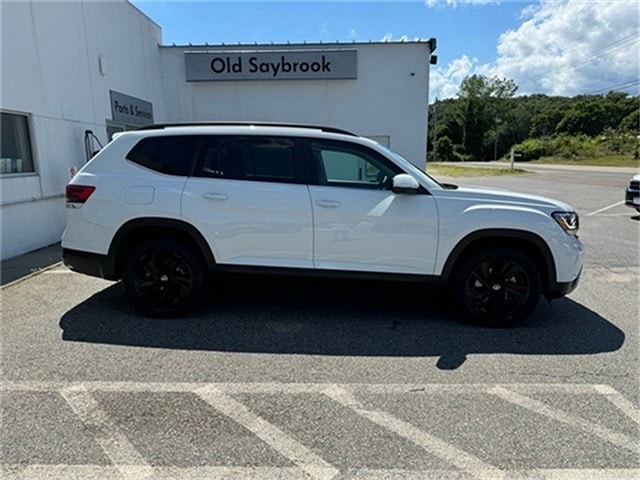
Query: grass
(596, 161)
(456, 171)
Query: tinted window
(349, 165)
(169, 155)
(270, 159)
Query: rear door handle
(327, 203)
(215, 196)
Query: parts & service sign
(271, 65)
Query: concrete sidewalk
(28, 263)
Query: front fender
(495, 224)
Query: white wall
(50, 72)
(386, 99)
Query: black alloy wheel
(163, 278)
(498, 287)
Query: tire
(497, 287)
(163, 278)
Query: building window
(15, 145)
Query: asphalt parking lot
(284, 379)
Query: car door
(247, 197)
(359, 223)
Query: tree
(483, 108)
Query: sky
(555, 47)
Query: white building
(101, 66)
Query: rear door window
(253, 158)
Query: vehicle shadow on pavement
(349, 318)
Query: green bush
(530, 149)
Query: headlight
(569, 221)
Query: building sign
(271, 65)
(130, 110)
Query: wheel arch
(528, 243)
(137, 230)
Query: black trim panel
(322, 273)
(92, 264)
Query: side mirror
(403, 183)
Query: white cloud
(565, 47)
(444, 82)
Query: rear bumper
(92, 264)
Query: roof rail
(160, 126)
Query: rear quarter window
(171, 155)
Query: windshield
(407, 165)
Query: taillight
(78, 193)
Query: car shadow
(349, 318)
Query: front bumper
(632, 198)
(561, 289)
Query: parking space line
(590, 214)
(308, 461)
(433, 445)
(624, 405)
(128, 461)
(100, 472)
(619, 439)
(297, 388)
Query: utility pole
(435, 128)
(495, 146)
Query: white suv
(164, 206)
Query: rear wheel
(163, 278)
(497, 287)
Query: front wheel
(497, 287)
(163, 278)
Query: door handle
(327, 203)
(215, 196)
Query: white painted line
(296, 388)
(538, 474)
(130, 464)
(624, 405)
(98, 472)
(605, 209)
(30, 275)
(308, 461)
(463, 460)
(59, 472)
(230, 473)
(574, 421)
(575, 474)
